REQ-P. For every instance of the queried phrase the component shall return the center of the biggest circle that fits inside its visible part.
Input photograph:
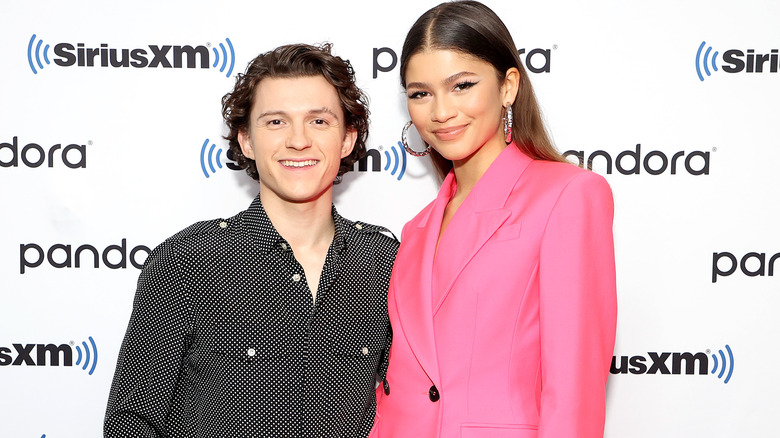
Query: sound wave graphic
(93, 357)
(705, 61)
(37, 54)
(398, 159)
(723, 364)
(210, 159)
(225, 57)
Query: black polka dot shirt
(224, 340)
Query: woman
(502, 299)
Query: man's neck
(306, 225)
(309, 229)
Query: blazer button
(386, 387)
(433, 393)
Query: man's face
(297, 137)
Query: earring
(508, 120)
(404, 138)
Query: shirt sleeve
(577, 310)
(388, 259)
(151, 354)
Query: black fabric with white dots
(224, 340)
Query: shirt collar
(267, 238)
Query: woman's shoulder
(564, 174)
(421, 215)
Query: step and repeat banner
(111, 141)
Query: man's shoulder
(212, 228)
(376, 236)
(202, 239)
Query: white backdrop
(620, 74)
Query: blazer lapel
(477, 219)
(462, 239)
(470, 228)
(412, 284)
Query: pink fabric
(520, 341)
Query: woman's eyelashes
(460, 86)
(465, 85)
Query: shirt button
(433, 393)
(296, 277)
(284, 246)
(223, 224)
(250, 352)
(358, 226)
(364, 350)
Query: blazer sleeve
(577, 309)
(151, 354)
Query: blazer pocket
(507, 232)
(498, 430)
(245, 343)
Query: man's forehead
(304, 93)
(291, 84)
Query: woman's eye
(464, 85)
(417, 95)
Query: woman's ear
(511, 86)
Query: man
(272, 323)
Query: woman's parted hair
(293, 61)
(472, 28)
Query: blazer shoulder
(419, 217)
(564, 175)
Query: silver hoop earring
(404, 140)
(508, 121)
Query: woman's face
(456, 102)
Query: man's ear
(350, 137)
(246, 144)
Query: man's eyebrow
(323, 110)
(271, 113)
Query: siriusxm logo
(151, 56)
(395, 163)
(633, 162)
(688, 363)
(734, 61)
(211, 160)
(752, 264)
(211, 156)
(57, 355)
(535, 60)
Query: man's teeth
(289, 163)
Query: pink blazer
(519, 341)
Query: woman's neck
(470, 170)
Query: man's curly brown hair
(293, 61)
